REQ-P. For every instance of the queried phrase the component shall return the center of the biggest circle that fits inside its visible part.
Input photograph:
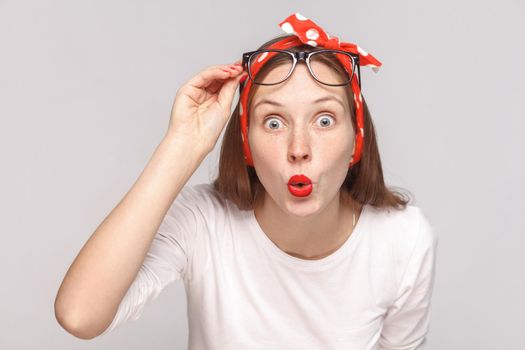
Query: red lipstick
(300, 185)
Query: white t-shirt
(244, 292)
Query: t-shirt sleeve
(169, 255)
(406, 322)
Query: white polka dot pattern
(262, 57)
(361, 51)
(312, 34)
(287, 27)
(356, 103)
(300, 17)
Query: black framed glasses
(324, 65)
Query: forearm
(104, 269)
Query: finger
(216, 85)
(206, 77)
(225, 97)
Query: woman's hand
(202, 105)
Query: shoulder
(405, 231)
(409, 222)
(202, 195)
(423, 234)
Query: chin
(302, 206)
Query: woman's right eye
(274, 122)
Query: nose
(299, 148)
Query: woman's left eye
(326, 119)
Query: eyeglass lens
(326, 67)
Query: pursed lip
(299, 178)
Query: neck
(310, 237)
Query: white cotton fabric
(244, 292)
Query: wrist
(191, 146)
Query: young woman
(297, 244)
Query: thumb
(225, 98)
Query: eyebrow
(321, 99)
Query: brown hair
(364, 181)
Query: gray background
(86, 90)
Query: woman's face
(290, 132)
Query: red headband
(307, 32)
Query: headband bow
(307, 32)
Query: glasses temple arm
(359, 73)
